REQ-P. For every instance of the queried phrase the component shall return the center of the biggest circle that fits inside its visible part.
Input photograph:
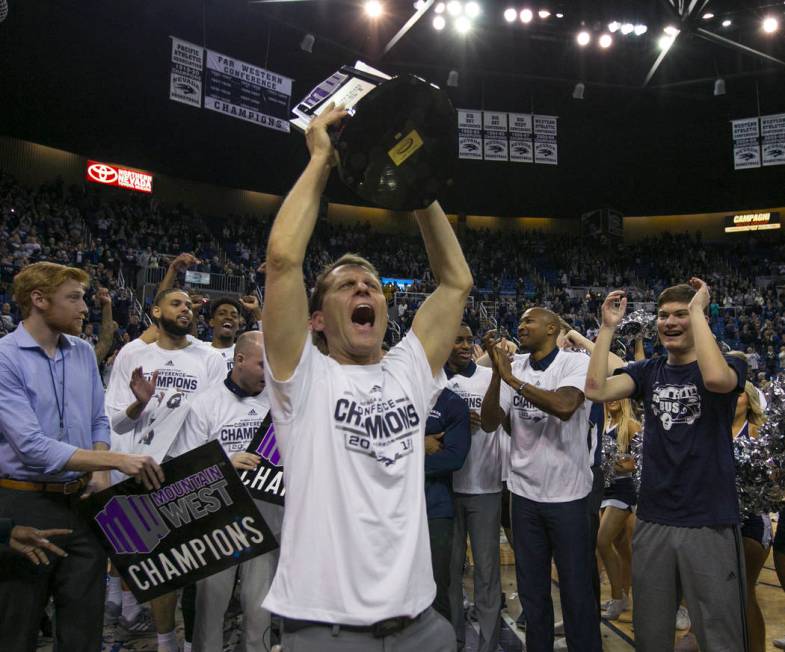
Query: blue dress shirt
(33, 446)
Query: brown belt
(66, 488)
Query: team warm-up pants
(706, 566)
(558, 531)
(478, 515)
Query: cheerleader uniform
(621, 493)
(758, 526)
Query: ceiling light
(454, 8)
(627, 28)
(452, 79)
(543, 13)
(606, 41)
(614, 26)
(640, 30)
(665, 42)
(510, 15)
(373, 8)
(472, 9)
(577, 92)
(583, 38)
(708, 15)
(306, 45)
(670, 30)
(439, 23)
(526, 15)
(462, 24)
(719, 87)
(560, 15)
(770, 24)
(440, 8)
(727, 22)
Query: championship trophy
(397, 146)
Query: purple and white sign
(266, 481)
(200, 522)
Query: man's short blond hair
(45, 277)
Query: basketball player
(687, 534)
(355, 569)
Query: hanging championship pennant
(200, 522)
(469, 134)
(521, 146)
(266, 481)
(772, 129)
(546, 149)
(495, 142)
(746, 148)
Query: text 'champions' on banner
(266, 481)
(185, 73)
(200, 522)
(772, 128)
(746, 145)
(248, 92)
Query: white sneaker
(558, 628)
(560, 644)
(683, 619)
(625, 600)
(780, 642)
(614, 609)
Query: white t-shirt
(482, 471)
(182, 373)
(549, 458)
(232, 420)
(119, 443)
(355, 547)
(227, 354)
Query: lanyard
(60, 408)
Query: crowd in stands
(113, 236)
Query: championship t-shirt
(227, 354)
(355, 548)
(182, 373)
(482, 470)
(549, 458)
(688, 474)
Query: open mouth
(227, 325)
(363, 315)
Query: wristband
(520, 389)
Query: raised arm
(582, 342)
(717, 375)
(181, 263)
(285, 311)
(105, 339)
(599, 387)
(437, 320)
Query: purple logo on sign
(268, 449)
(132, 524)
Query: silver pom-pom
(637, 323)
(610, 452)
(636, 450)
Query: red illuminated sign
(114, 175)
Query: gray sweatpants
(706, 566)
(478, 515)
(431, 633)
(214, 593)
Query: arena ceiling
(649, 135)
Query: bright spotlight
(640, 30)
(472, 9)
(665, 42)
(627, 28)
(727, 22)
(454, 8)
(708, 16)
(526, 15)
(770, 24)
(439, 23)
(583, 38)
(560, 15)
(670, 30)
(510, 15)
(614, 26)
(462, 24)
(440, 8)
(543, 13)
(606, 41)
(373, 8)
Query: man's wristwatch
(520, 389)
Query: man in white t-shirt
(550, 480)
(477, 499)
(148, 398)
(225, 323)
(232, 412)
(355, 564)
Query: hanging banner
(772, 128)
(200, 522)
(185, 74)
(495, 138)
(266, 481)
(248, 92)
(546, 150)
(469, 134)
(746, 148)
(521, 145)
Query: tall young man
(147, 401)
(355, 565)
(225, 323)
(231, 412)
(687, 537)
(550, 480)
(54, 435)
(477, 488)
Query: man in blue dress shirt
(54, 450)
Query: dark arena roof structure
(651, 133)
